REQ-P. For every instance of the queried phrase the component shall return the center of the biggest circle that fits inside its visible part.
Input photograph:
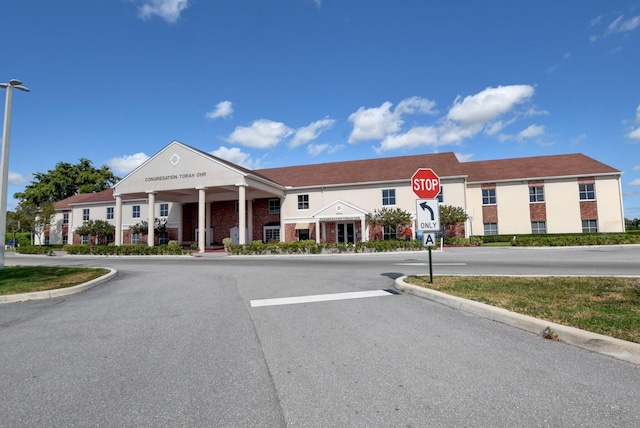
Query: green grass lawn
(604, 305)
(27, 279)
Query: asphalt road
(180, 342)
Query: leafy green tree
(450, 216)
(159, 227)
(632, 224)
(32, 217)
(99, 229)
(390, 218)
(67, 180)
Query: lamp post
(4, 161)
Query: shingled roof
(571, 165)
(402, 167)
(364, 171)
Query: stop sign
(425, 183)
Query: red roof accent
(364, 171)
(575, 164)
(402, 168)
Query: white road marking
(427, 264)
(319, 298)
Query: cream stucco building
(194, 192)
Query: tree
(390, 218)
(632, 224)
(32, 217)
(159, 227)
(451, 216)
(96, 228)
(67, 180)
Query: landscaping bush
(35, 249)
(127, 250)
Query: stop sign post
(426, 185)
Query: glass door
(346, 233)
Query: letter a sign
(425, 183)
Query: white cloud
(378, 122)
(495, 127)
(127, 163)
(237, 156)
(16, 178)
(635, 182)
(531, 131)
(169, 10)
(415, 137)
(311, 132)
(223, 109)
(636, 168)
(620, 25)
(464, 157)
(316, 149)
(489, 104)
(262, 134)
(635, 134)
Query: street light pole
(4, 161)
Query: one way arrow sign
(428, 214)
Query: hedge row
(127, 250)
(574, 239)
(312, 247)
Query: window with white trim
(135, 238)
(303, 234)
(303, 202)
(440, 196)
(536, 194)
(65, 218)
(491, 228)
(388, 196)
(274, 206)
(587, 191)
(489, 197)
(538, 227)
(85, 239)
(110, 213)
(164, 210)
(271, 233)
(135, 211)
(85, 214)
(589, 226)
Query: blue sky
(269, 83)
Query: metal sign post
(428, 219)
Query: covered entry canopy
(182, 174)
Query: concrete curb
(59, 292)
(616, 348)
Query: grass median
(605, 305)
(29, 279)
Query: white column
(201, 219)
(364, 227)
(69, 229)
(242, 213)
(151, 232)
(250, 220)
(118, 218)
(317, 231)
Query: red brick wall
(538, 211)
(223, 218)
(490, 214)
(588, 210)
(261, 218)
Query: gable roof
(570, 165)
(84, 198)
(364, 171)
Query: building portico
(181, 175)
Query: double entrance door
(346, 233)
